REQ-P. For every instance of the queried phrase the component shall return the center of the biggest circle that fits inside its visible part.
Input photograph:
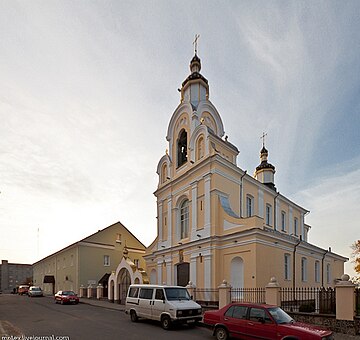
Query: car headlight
(179, 313)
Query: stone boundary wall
(329, 322)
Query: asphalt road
(42, 317)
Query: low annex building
(89, 261)
(215, 221)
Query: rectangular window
(136, 263)
(249, 206)
(106, 260)
(283, 221)
(268, 214)
(296, 226)
(118, 238)
(287, 266)
(71, 262)
(159, 294)
(146, 293)
(317, 271)
(133, 292)
(303, 269)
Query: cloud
(334, 213)
(87, 91)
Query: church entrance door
(183, 274)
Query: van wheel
(166, 322)
(221, 333)
(133, 316)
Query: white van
(167, 304)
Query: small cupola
(265, 171)
(195, 64)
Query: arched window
(237, 272)
(184, 219)
(164, 173)
(182, 148)
(200, 148)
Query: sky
(87, 89)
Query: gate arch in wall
(126, 274)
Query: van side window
(159, 295)
(133, 292)
(146, 293)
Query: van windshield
(177, 294)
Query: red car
(260, 321)
(66, 296)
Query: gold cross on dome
(263, 138)
(195, 42)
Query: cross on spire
(195, 42)
(263, 138)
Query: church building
(215, 221)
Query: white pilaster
(193, 268)
(277, 224)
(302, 229)
(260, 203)
(159, 272)
(194, 189)
(160, 224)
(169, 222)
(207, 208)
(207, 270)
(291, 229)
(169, 280)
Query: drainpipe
(294, 263)
(322, 268)
(278, 193)
(241, 192)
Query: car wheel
(133, 316)
(221, 333)
(166, 322)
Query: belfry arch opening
(182, 148)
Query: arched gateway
(119, 281)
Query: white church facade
(215, 221)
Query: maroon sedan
(66, 296)
(260, 321)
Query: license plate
(190, 321)
(72, 300)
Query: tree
(356, 256)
